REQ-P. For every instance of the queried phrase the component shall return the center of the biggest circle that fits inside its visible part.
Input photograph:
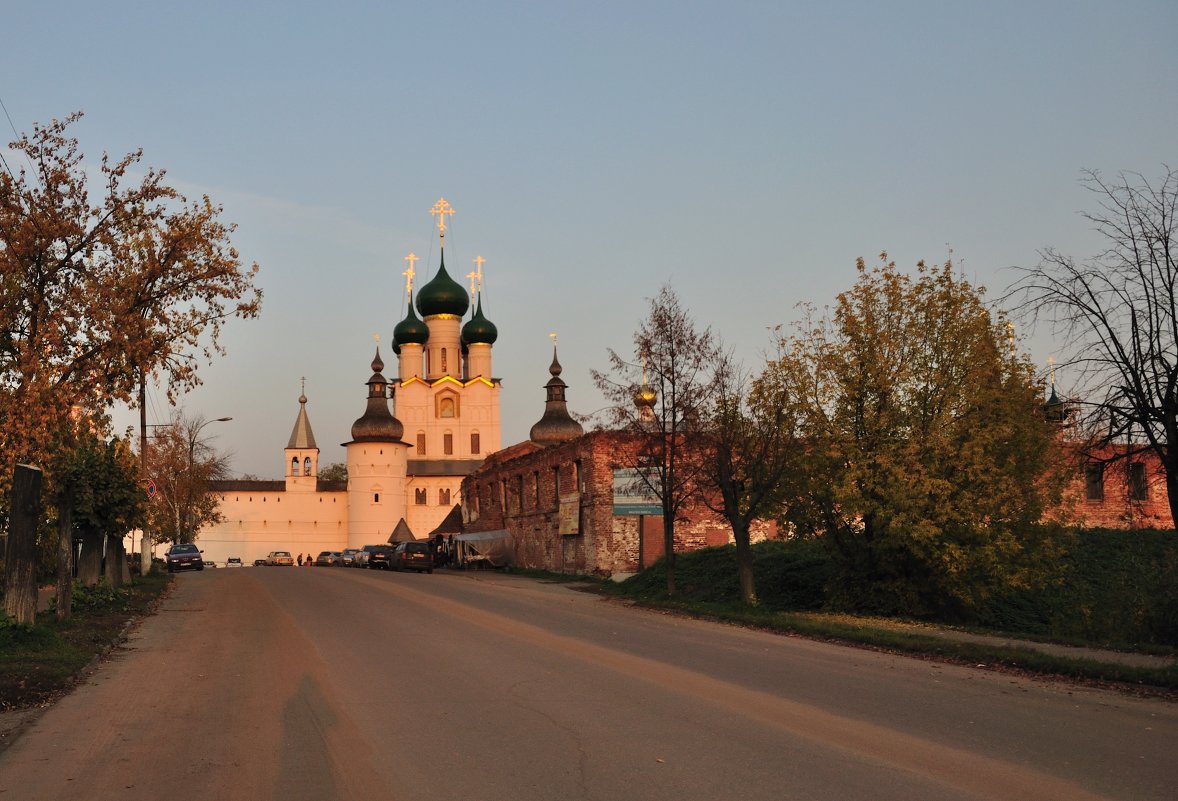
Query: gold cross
(412, 259)
(376, 338)
(1051, 368)
(552, 336)
(476, 277)
(303, 385)
(441, 209)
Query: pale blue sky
(745, 152)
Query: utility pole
(144, 539)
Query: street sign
(150, 488)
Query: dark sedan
(379, 556)
(184, 556)
(414, 556)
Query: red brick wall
(1117, 509)
(527, 476)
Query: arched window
(376, 497)
(443, 360)
(307, 466)
(446, 407)
(444, 497)
(294, 465)
(419, 496)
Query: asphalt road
(329, 683)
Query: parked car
(184, 556)
(347, 557)
(233, 561)
(327, 558)
(259, 562)
(280, 558)
(417, 556)
(378, 556)
(210, 563)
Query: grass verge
(878, 634)
(897, 637)
(38, 662)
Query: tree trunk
(669, 551)
(144, 552)
(744, 562)
(65, 559)
(116, 562)
(20, 557)
(1170, 465)
(90, 562)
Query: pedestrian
(300, 560)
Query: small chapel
(405, 463)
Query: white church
(405, 464)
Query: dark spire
(377, 423)
(556, 425)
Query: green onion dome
(479, 328)
(442, 295)
(410, 330)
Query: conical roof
(302, 437)
(402, 533)
(442, 295)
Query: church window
(446, 407)
(443, 360)
(1094, 481)
(519, 491)
(307, 466)
(419, 496)
(421, 443)
(376, 497)
(556, 486)
(536, 488)
(503, 495)
(444, 496)
(294, 466)
(474, 443)
(448, 444)
(1138, 487)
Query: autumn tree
(930, 457)
(102, 281)
(183, 466)
(336, 471)
(1117, 317)
(752, 453)
(661, 396)
(97, 498)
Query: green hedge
(1111, 588)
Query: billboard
(632, 496)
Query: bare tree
(661, 398)
(1117, 313)
(183, 465)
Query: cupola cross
(476, 277)
(440, 210)
(409, 273)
